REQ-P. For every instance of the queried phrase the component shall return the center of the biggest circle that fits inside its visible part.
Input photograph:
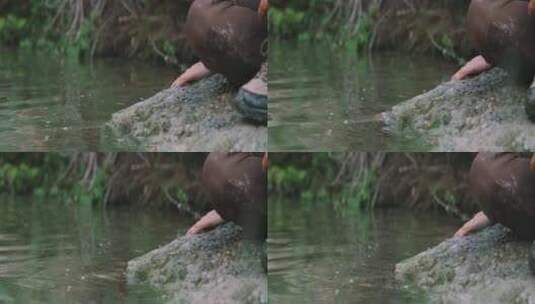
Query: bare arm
(196, 72)
(475, 66)
(477, 223)
(210, 220)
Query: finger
(460, 75)
(460, 233)
(192, 231)
(176, 84)
(456, 77)
(179, 82)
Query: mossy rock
(206, 108)
(214, 267)
(487, 267)
(485, 112)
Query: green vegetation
(107, 178)
(324, 176)
(294, 175)
(291, 174)
(12, 28)
(356, 181)
(421, 26)
(151, 29)
(337, 22)
(27, 173)
(78, 28)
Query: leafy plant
(12, 28)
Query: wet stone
(214, 267)
(485, 111)
(487, 267)
(200, 117)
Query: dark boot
(252, 106)
(252, 99)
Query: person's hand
(263, 8)
(461, 232)
(181, 81)
(265, 162)
(475, 66)
(533, 162)
(196, 72)
(531, 7)
(193, 230)
(207, 222)
(478, 222)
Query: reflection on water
(318, 255)
(324, 100)
(53, 253)
(49, 103)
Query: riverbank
(359, 181)
(415, 26)
(214, 267)
(70, 223)
(487, 267)
(200, 117)
(485, 111)
(151, 31)
(107, 179)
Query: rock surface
(488, 267)
(215, 267)
(486, 111)
(197, 118)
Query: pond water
(51, 252)
(49, 103)
(328, 100)
(320, 255)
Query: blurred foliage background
(146, 179)
(411, 25)
(131, 28)
(420, 181)
(152, 29)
